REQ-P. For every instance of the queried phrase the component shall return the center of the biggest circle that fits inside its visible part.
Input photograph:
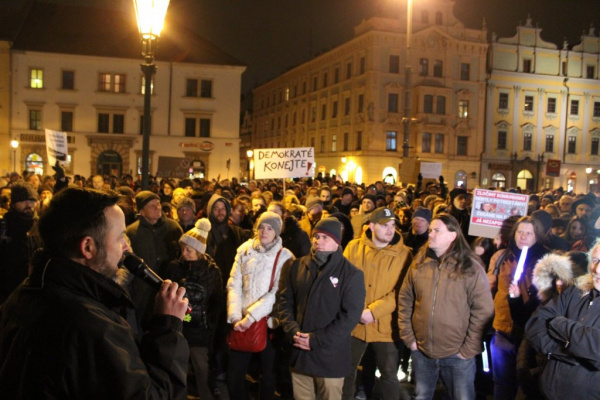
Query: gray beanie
(422, 212)
(331, 227)
(144, 197)
(272, 219)
(313, 202)
(23, 191)
(196, 237)
(186, 202)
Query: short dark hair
(72, 214)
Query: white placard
(293, 162)
(56, 146)
(431, 170)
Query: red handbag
(253, 339)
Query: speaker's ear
(88, 248)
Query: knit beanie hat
(346, 191)
(144, 197)
(331, 227)
(196, 237)
(23, 191)
(544, 218)
(422, 212)
(186, 202)
(370, 197)
(270, 218)
(454, 193)
(313, 202)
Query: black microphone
(139, 268)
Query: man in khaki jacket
(384, 259)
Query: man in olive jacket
(444, 307)
(384, 260)
(321, 298)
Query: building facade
(79, 72)
(348, 103)
(543, 113)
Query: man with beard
(15, 245)
(61, 335)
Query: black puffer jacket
(204, 290)
(61, 337)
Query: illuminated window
(114, 83)
(36, 78)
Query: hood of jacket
(548, 269)
(211, 203)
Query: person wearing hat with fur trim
(444, 307)
(249, 300)
(197, 272)
(384, 260)
(321, 299)
(154, 238)
(16, 246)
(566, 331)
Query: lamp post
(249, 154)
(150, 16)
(15, 145)
(407, 82)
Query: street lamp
(15, 145)
(407, 82)
(150, 16)
(249, 154)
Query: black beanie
(23, 191)
(144, 197)
(331, 227)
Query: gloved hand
(60, 171)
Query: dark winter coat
(294, 238)
(204, 290)
(62, 337)
(325, 302)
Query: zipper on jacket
(435, 290)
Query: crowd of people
(383, 276)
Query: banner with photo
(490, 208)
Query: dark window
(191, 88)
(594, 146)
(390, 140)
(426, 143)
(315, 83)
(439, 143)
(304, 87)
(103, 122)
(348, 70)
(551, 108)
(362, 64)
(325, 83)
(322, 144)
(35, 120)
(347, 106)
(527, 65)
(66, 121)
(590, 72)
(597, 109)
(313, 114)
(503, 101)
(461, 145)
(361, 101)
(323, 111)
(501, 140)
(334, 109)
(528, 103)
(394, 64)
(118, 123)
(206, 88)
(423, 67)
(549, 143)
(572, 146)
(359, 140)
(68, 80)
(574, 107)
(204, 127)
(393, 102)
(527, 141)
(465, 71)
(440, 107)
(190, 127)
(336, 75)
(438, 68)
(428, 104)
(346, 138)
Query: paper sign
(431, 170)
(56, 146)
(490, 209)
(294, 162)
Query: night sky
(271, 36)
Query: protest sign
(431, 170)
(490, 209)
(56, 146)
(173, 167)
(293, 162)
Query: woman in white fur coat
(249, 300)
